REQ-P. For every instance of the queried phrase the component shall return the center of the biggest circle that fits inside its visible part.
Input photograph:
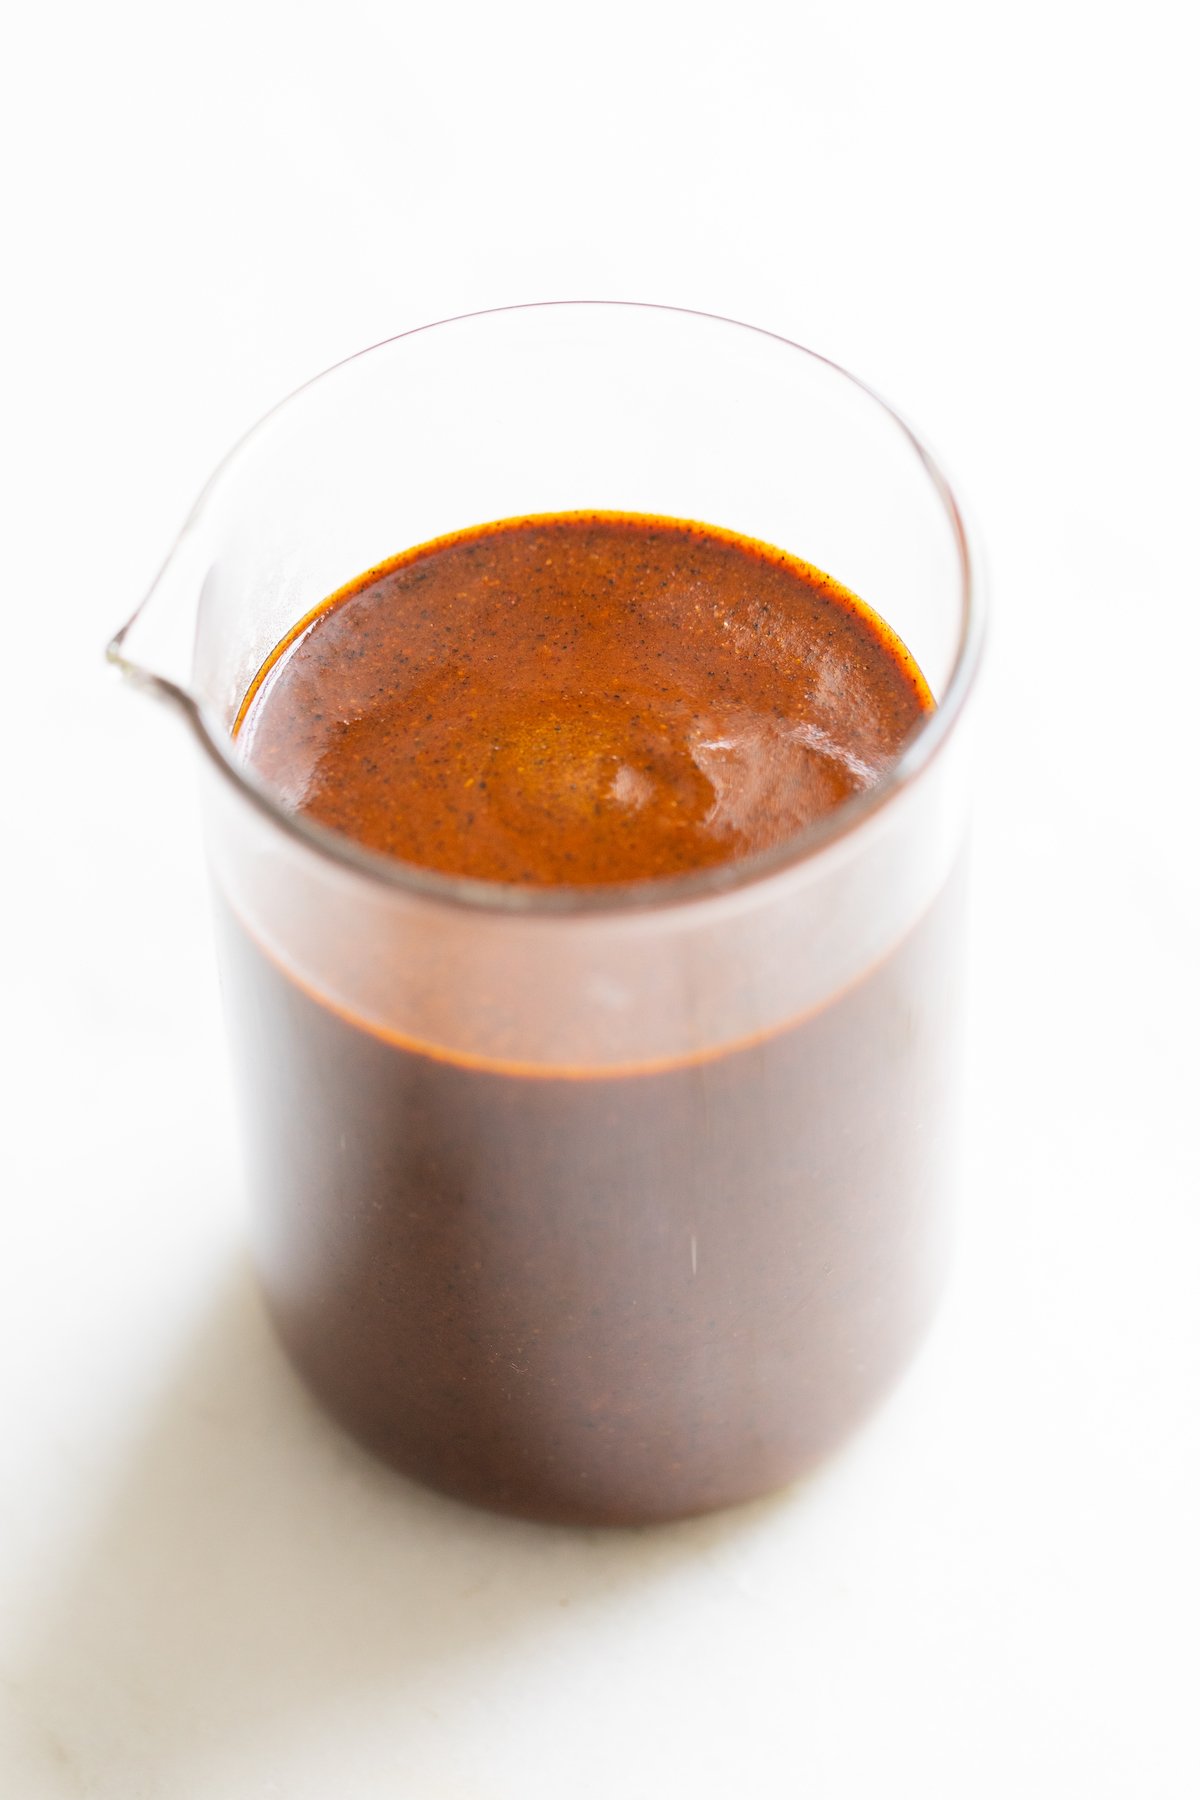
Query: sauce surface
(581, 698)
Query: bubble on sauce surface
(593, 756)
(769, 778)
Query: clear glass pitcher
(615, 1204)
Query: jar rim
(649, 895)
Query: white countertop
(206, 1592)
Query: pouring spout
(154, 650)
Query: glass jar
(602, 1205)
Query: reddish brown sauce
(596, 1297)
(582, 698)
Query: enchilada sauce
(609, 1296)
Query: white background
(989, 213)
